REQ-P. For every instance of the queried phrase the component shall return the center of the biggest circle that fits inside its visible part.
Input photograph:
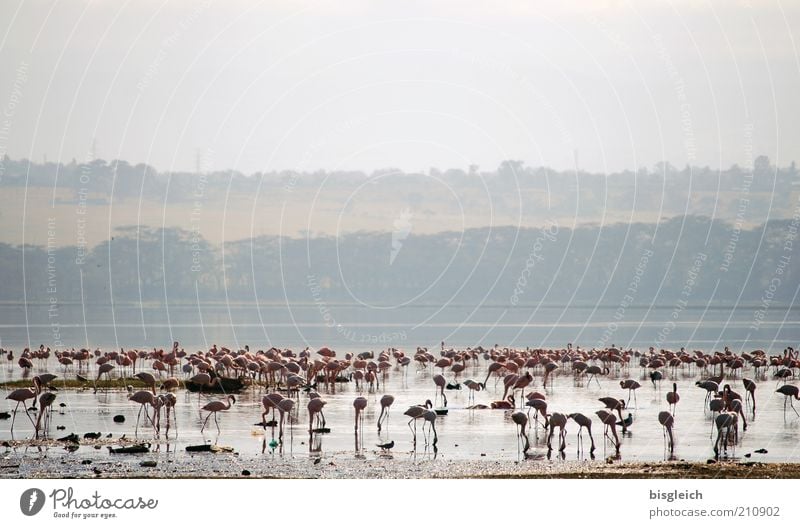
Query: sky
(261, 86)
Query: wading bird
(214, 407)
(666, 419)
(386, 402)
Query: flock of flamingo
(288, 377)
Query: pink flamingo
(473, 386)
(315, 406)
(729, 421)
(673, 398)
(429, 417)
(146, 378)
(631, 385)
(21, 396)
(440, 382)
(106, 369)
(270, 401)
(610, 421)
(789, 392)
(540, 406)
(416, 412)
(615, 405)
(143, 398)
(45, 405)
(666, 419)
(508, 403)
(285, 407)
(558, 420)
(521, 420)
(214, 407)
(750, 395)
(360, 404)
(583, 421)
(386, 402)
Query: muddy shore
(31, 462)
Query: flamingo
(730, 422)
(386, 402)
(631, 385)
(711, 387)
(169, 403)
(615, 405)
(666, 419)
(521, 383)
(440, 382)
(416, 412)
(429, 417)
(21, 396)
(540, 406)
(270, 402)
(473, 386)
(146, 378)
(285, 407)
(315, 406)
(106, 369)
(750, 394)
(673, 398)
(583, 421)
(558, 420)
(359, 404)
(216, 406)
(143, 398)
(789, 392)
(45, 404)
(521, 420)
(656, 376)
(170, 384)
(610, 422)
(508, 403)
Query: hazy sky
(365, 85)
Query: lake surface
(357, 328)
(463, 434)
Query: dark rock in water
(62, 404)
(317, 460)
(72, 447)
(5, 415)
(119, 419)
(98, 446)
(208, 448)
(747, 455)
(322, 430)
(5, 444)
(72, 437)
(108, 435)
(245, 473)
(148, 463)
(711, 461)
(271, 423)
(441, 412)
(761, 451)
(91, 436)
(453, 386)
(96, 471)
(60, 427)
(129, 450)
(86, 462)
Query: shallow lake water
(463, 434)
